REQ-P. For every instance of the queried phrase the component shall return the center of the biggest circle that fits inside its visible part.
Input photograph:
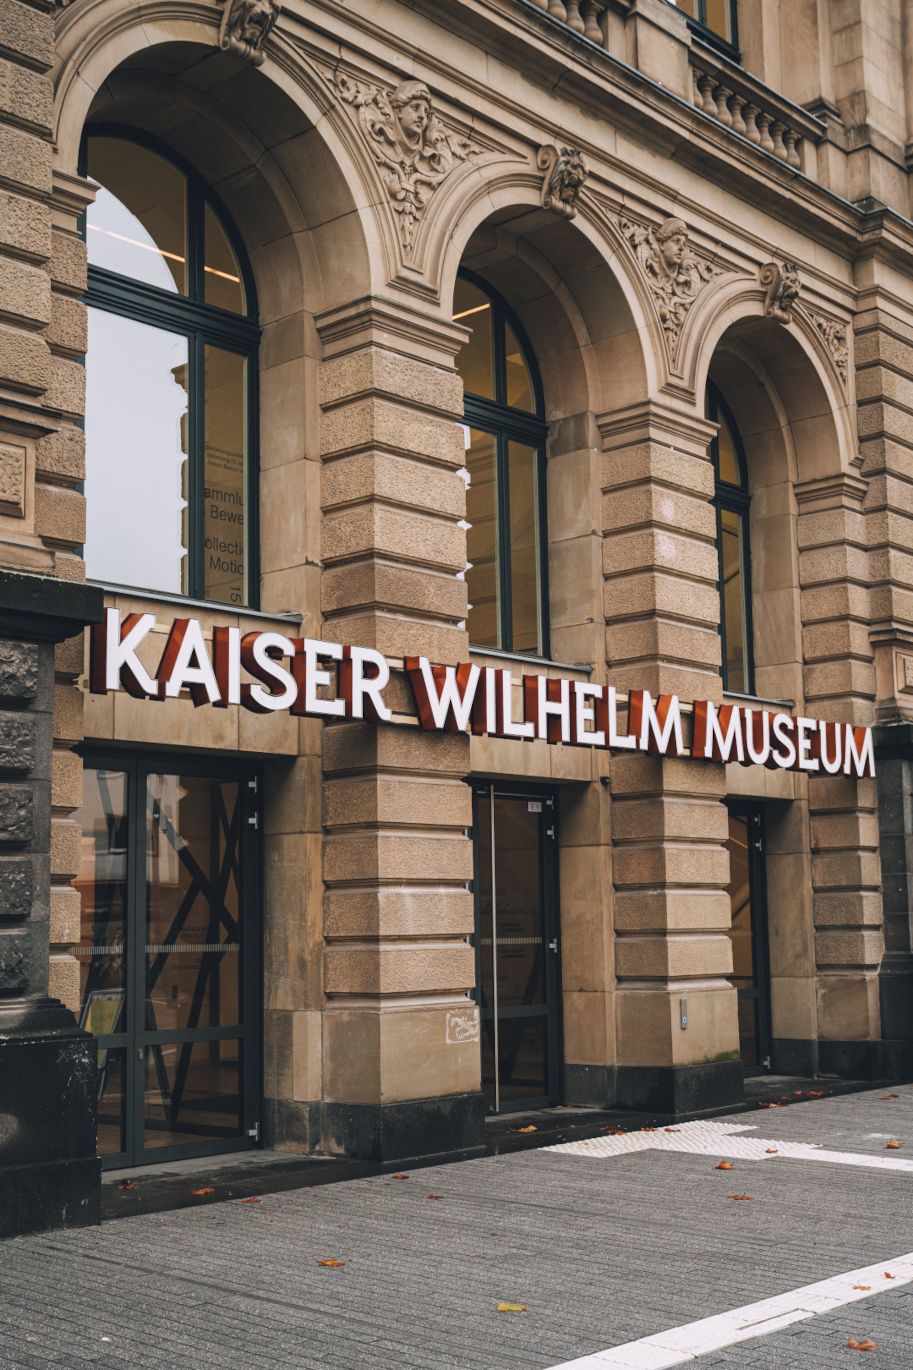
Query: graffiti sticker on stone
(462, 1027)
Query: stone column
(669, 824)
(401, 1071)
(884, 360)
(839, 685)
(49, 1174)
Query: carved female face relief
(413, 117)
(672, 247)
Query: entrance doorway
(169, 956)
(517, 960)
(750, 953)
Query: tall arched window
(171, 380)
(505, 461)
(732, 501)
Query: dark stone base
(792, 1056)
(852, 1060)
(49, 1173)
(895, 985)
(589, 1086)
(392, 1132)
(680, 1089)
(290, 1125)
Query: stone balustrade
(738, 101)
(582, 16)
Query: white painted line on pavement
(724, 1140)
(681, 1345)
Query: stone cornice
(654, 421)
(842, 491)
(374, 321)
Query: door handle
(553, 945)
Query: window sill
(528, 660)
(182, 601)
(759, 699)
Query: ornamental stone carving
(565, 175)
(675, 275)
(411, 144)
(245, 26)
(834, 335)
(781, 281)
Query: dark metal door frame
(135, 1035)
(760, 944)
(551, 932)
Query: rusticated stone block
(68, 261)
(62, 454)
(17, 742)
(18, 670)
(16, 815)
(25, 158)
(27, 32)
(25, 359)
(16, 887)
(25, 225)
(15, 962)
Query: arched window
(732, 501)
(505, 461)
(171, 398)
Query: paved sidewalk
(601, 1251)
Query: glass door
(517, 964)
(169, 956)
(747, 894)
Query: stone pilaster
(400, 1035)
(669, 824)
(839, 683)
(884, 358)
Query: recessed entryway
(517, 946)
(748, 931)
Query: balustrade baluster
(792, 141)
(764, 123)
(723, 112)
(737, 104)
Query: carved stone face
(673, 250)
(413, 117)
(256, 19)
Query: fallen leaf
(531, 1128)
(816, 1093)
(613, 1131)
(125, 1184)
(889, 1276)
(511, 1307)
(882, 1097)
(893, 1145)
(400, 1177)
(435, 1196)
(670, 1129)
(332, 1264)
(739, 1196)
(770, 1151)
(866, 1345)
(250, 1201)
(648, 1129)
(724, 1165)
(765, 1103)
(207, 1189)
(862, 1286)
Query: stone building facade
(573, 332)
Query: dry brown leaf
(250, 1201)
(866, 1345)
(889, 1276)
(207, 1189)
(816, 1093)
(332, 1264)
(770, 1151)
(613, 1131)
(531, 1128)
(511, 1307)
(125, 1184)
(739, 1196)
(882, 1097)
(862, 1286)
(765, 1103)
(670, 1129)
(893, 1145)
(400, 1177)
(435, 1196)
(724, 1165)
(648, 1129)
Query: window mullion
(507, 638)
(196, 458)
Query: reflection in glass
(138, 223)
(741, 933)
(484, 617)
(225, 477)
(521, 959)
(727, 458)
(519, 386)
(222, 284)
(192, 903)
(476, 361)
(112, 1101)
(733, 600)
(523, 483)
(192, 1092)
(718, 18)
(136, 449)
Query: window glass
(518, 384)
(225, 477)
(476, 360)
(138, 223)
(136, 454)
(222, 285)
(718, 18)
(523, 478)
(727, 458)
(733, 599)
(482, 540)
